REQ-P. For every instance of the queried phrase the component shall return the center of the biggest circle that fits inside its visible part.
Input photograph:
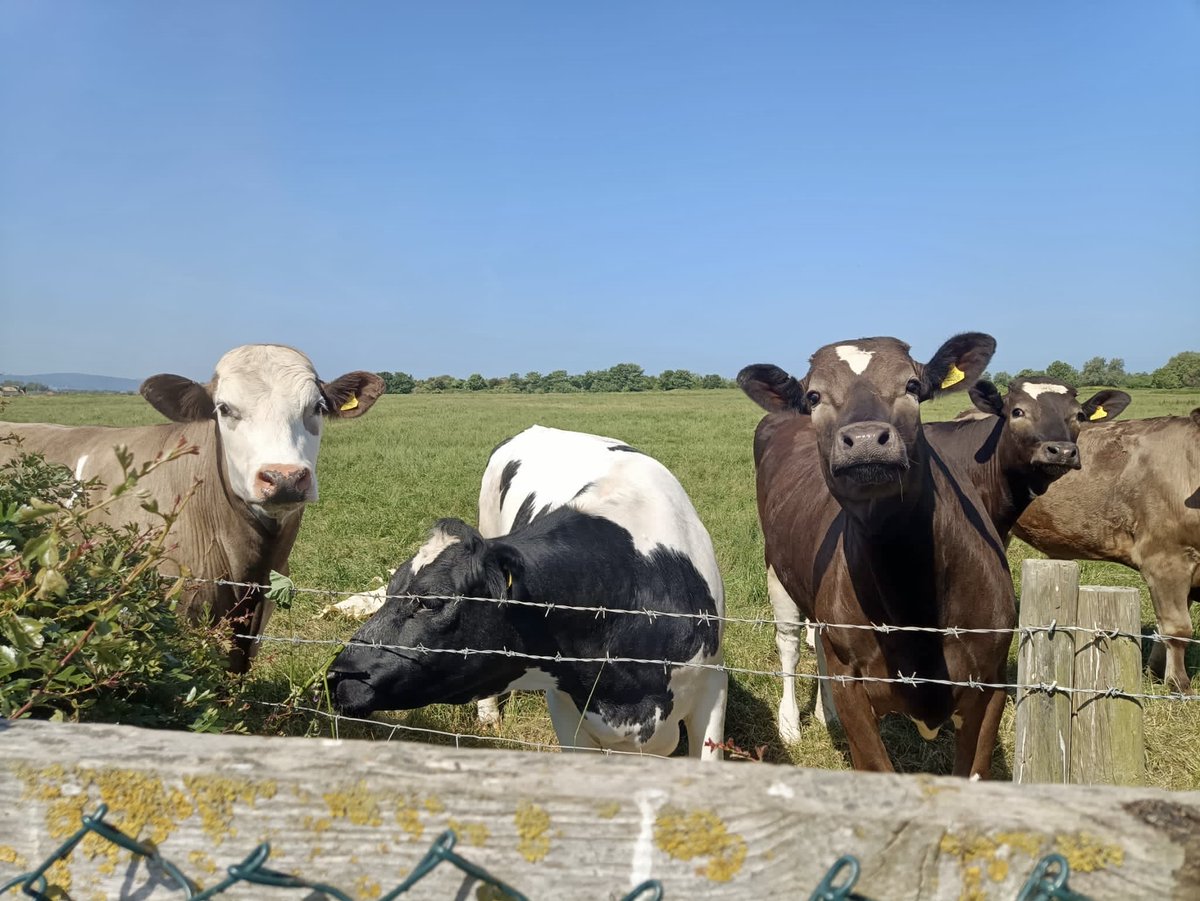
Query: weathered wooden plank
(1049, 589)
(359, 814)
(1107, 746)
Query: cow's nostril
(885, 436)
(847, 439)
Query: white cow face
(269, 406)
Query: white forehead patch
(1035, 389)
(432, 549)
(854, 357)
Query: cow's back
(542, 469)
(1139, 486)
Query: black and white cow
(590, 522)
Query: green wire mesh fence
(1048, 882)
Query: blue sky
(501, 187)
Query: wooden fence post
(1107, 734)
(1049, 591)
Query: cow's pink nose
(283, 484)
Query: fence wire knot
(834, 886)
(1048, 882)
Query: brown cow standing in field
(258, 426)
(898, 537)
(1012, 447)
(1136, 503)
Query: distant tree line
(624, 377)
(1181, 371)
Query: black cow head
(1042, 418)
(425, 609)
(864, 398)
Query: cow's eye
(1080, 417)
(813, 398)
(1017, 413)
(913, 386)
(321, 407)
(223, 409)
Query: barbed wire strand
(759, 621)
(1050, 688)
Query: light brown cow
(1136, 502)
(257, 425)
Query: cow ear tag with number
(1100, 413)
(351, 404)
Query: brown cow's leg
(858, 718)
(1170, 580)
(975, 740)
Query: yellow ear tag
(351, 404)
(1100, 413)
(509, 579)
(953, 377)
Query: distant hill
(76, 381)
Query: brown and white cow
(865, 523)
(258, 426)
(1136, 502)
(1011, 447)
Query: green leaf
(282, 590)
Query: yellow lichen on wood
(700, 833)
(609, 810)
(408, 817)
(59, 877)
(366, 888)
(1085, 853)
(9, 855)
(434, 804)
(355, 804)
(533, 831)
(202, 861)
(214, 797)
(475, 834)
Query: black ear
(986, 397)
(772, 388)
(352, 394)
(1104, 405)
(506, 570)
(177, 398)
(957, 364)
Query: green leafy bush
(88, 630)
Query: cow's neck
(990, 459)
(889, 544)
(250, 544)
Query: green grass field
(386, 477)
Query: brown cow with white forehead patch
(865, 523)
(1011, 448)
(258, 426)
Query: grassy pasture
(386, 477)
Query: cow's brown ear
(772, 388)
(957, 364)
(177, 398)
(986, 397)
(352, 394)
(1105, 405)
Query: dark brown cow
(1021, 442)
(1012, 448)
(258, 426)
(1137, 502)
(865, 523)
